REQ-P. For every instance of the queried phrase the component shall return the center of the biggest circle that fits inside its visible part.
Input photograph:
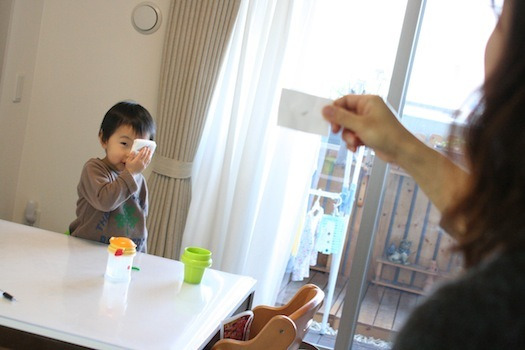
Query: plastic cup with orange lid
(121, 251)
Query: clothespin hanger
(337, 203)
(317, 204)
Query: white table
(60, 290)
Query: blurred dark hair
(492, 210)
(127, 113)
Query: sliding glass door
(351, 47)
(401, 252)
(376, 247)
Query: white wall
(5, 16)
(19, 56)
(88, 57)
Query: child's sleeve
(103, 190)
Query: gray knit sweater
(484, 309)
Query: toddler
(112, 192)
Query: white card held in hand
(301, 111)
(138, 144)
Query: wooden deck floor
(383, 309)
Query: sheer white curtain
(251, 177)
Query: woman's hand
(367, 120)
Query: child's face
(118, 146)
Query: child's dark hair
(127, 113)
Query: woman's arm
(367, 120)
(438, 176)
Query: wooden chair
(280, 328)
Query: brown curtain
(197, 37)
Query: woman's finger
(342, 117)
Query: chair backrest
(300, 309)
(277, 334)
(303, 317)
(280, 328)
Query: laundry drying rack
(349, 189)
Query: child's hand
(138, 161)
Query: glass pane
(351, 48)
(411, 253)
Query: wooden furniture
(63, 299)
(432, 274)
(280, 328)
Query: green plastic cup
(197, 253)
(193, 268)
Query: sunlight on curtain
(251, 177)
